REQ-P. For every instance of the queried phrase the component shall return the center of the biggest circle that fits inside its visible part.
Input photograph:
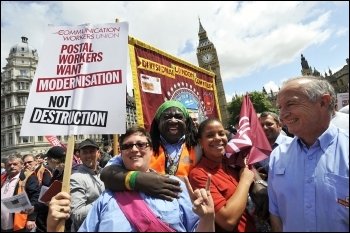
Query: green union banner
(158, 76)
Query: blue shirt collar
(178, 143)
(324, 140)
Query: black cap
(56, 152)
(88, 142)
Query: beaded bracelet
(127, 180)
(132, 180)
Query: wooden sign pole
(66, 175)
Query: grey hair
(14, 157)
(315, 88)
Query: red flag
(53, 140)
(250, 142)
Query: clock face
(208, 57)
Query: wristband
(127, 180)
(132, 180)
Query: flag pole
(116, 136)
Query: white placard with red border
(80, 82)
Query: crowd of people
(176, 177)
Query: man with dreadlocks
(173, 135)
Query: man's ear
(325, 100)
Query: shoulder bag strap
(139, 214)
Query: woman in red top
(229, 186)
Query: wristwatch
(263, 182)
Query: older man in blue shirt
(308, 181)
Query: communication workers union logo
(188, 96)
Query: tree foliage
(261, 103)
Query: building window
(22, 85)
(2, 122)
(25, 139)
(10, 139)
(22, 100)
(9, 120)
(18, 119)
(23, 72)
(3, 141)
(9, 103)
(40, 138)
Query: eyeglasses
(139, 145)
(27, 162)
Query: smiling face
(172, 124)
(304, 118)
(271, 127)
(89, 156)
(137, 153)
(213, 139)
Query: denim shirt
(308, 187)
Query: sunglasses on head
(139, 145)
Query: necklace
(173, 165)
(172, 168)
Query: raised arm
(151, 183)
(113, 177)
(229, 215)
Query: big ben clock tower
(208, 59)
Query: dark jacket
(41, 208)
(32, 189)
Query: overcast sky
(258, 43)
